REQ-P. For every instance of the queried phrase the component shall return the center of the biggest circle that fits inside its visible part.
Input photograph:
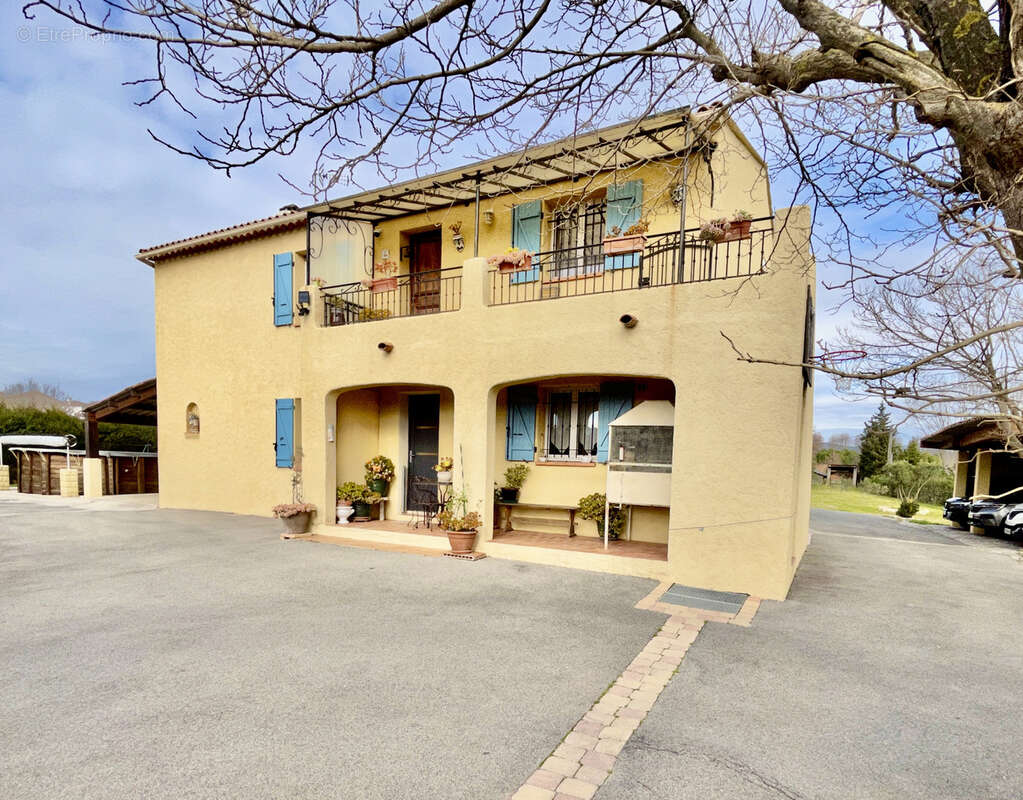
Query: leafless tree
(900, 120)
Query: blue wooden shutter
(285, 433)
(521, 423)
(615, 400)
(526, 219)
(624, 208)
(282, 289)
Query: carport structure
(135, 405)
(986, 465)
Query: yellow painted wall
(735, 523)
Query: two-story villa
(278, 355)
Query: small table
(505, 509)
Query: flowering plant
(385, 267)
(713, 231)
(444, 464)
(741, 216)
(379, 468)
(513, 255)
(285, 510)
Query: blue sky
(86, 187)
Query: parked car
(1014, 521)
(957, 511)
(989, 514)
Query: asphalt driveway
(169, 654)
(893, 670)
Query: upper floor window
(577, 233)
(192, 420)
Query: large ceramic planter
(461, 541)
(343, 514)
(379, 486)
(444, 476)
(298, 523)
(362, 510)
(620, 245)
(509, 495)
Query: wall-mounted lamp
(488, 217)
(377, 233)
(628, 320)
(387, 347)
(330, 433)
(303, 303)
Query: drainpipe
(476, 229)
(683, 194)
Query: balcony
(586, 270)
(425, 292)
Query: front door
(423, 446)
(424, 266)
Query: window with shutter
(526, 219)
(615, 400)
(521, 423)
(283, 264)
(285, 442)
(624, 208)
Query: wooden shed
(123, 472)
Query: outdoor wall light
(303, 303)
(387, 347)
(628, 320)
(488, 217)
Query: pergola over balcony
(623, 146)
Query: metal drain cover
(708, 600)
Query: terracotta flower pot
(298, 523)
(384, 284)
(620, 245)
(461, 541)
(510, 266)
(738, 229)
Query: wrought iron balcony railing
(426, 292)
(586, 270)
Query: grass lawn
(835, 498)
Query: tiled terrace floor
(585, 544)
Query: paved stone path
(584, 759)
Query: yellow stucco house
(286, 353)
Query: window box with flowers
(384, 279)
(512, 260)
(631, 240)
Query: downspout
(476, 227)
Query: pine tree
(874, 443)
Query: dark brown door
(424, 266)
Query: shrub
(592, 507)
(350, 491)
(515, 476)
(907, 508)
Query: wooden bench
(505, 511)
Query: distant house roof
(975, 431)
(621, 146)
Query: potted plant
(592, 507)
(514, 477)
(713, 231)
(384, 279)
(459, 523)
(511, 260)
(379, 474)
(631, 240)
(739, 225)
(456, 235)
(443, 469)
(295, 515)
(347, 494)
(364, 505)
